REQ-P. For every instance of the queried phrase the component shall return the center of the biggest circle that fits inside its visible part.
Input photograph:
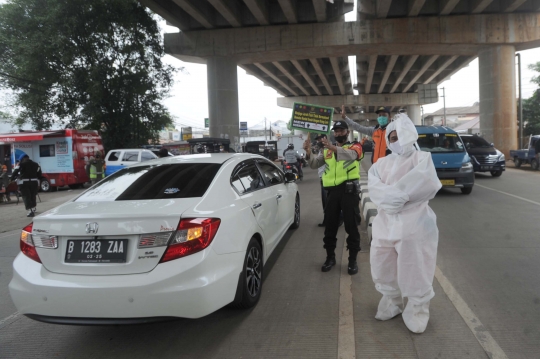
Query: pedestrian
(28, 174)
(95, 168)
(4, 182)
(378, 133)
(405, 236)
(340, 180)
(266, 152)
(163, 152)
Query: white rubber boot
(389, 307)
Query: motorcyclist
(293, 158)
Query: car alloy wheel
(254, 272)
(45, 186)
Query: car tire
(534, 164)
(250, 282)
(496, 173)
(45, 185)
(517, 162)
(466, 190)
(296, 222)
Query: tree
(531, 107)
(93, 64)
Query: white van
(118, 159)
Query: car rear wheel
(496, 173)
(517, 162)
(251, 279)
(534, 164)
(466, 190)
(296, 222)
(45, 186)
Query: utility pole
(444, 107)
(520, 114)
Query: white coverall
(405, 236)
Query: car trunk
(118, 227)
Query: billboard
(313, 118)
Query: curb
(367, 207)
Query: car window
(113, 156)
(154, 182)
(147, 156)
(271, 173)
(131, 156)
(475, 142)
(440, 142)
(247, 179)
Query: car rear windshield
(154, 182)
(440, 142)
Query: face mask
(396, 147)
(383, 120)
(341, 139)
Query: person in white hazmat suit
(405, 235)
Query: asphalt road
(488, 252)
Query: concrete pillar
(413, 111)
(223, 100)
(498, 112)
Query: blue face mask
(383, 120)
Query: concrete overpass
(300, 48)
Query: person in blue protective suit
(405, 234)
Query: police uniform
(95, 169)
(28, 174)
(340, 180)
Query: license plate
(448, 182)
(485, 167)
(96, 251)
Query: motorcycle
(292, 169)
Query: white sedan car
(174, 237)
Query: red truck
(62, 154)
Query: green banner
(312, 118)
(206, 123)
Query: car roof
(434, 129)
(218, 158)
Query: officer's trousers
(338, 201)
(29, 191)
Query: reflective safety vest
(379, 138)
(337, 172)
(93, 174)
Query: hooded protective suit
(405, 235)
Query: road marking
(492, 349)
(8, 319)
(346, 340)
(509, 194)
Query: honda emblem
(92, 227)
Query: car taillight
(288, 167)
(27, 244)
(192, 236)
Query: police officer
(28, 174)
(340, 180)
(378, 133)
(95, 168)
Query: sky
(188, 101)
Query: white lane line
(346, 341)
(509, 194)
(8, 319)
(492, 349)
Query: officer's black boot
(353, 266)
(330, 260)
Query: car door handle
(278, 196)
(257, 205)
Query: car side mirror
(492, 144)
(290, 177)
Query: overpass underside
(301, 48)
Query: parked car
(118, 159)
(174, 237)
(484, 156)
(526, 155)
(453, 164)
